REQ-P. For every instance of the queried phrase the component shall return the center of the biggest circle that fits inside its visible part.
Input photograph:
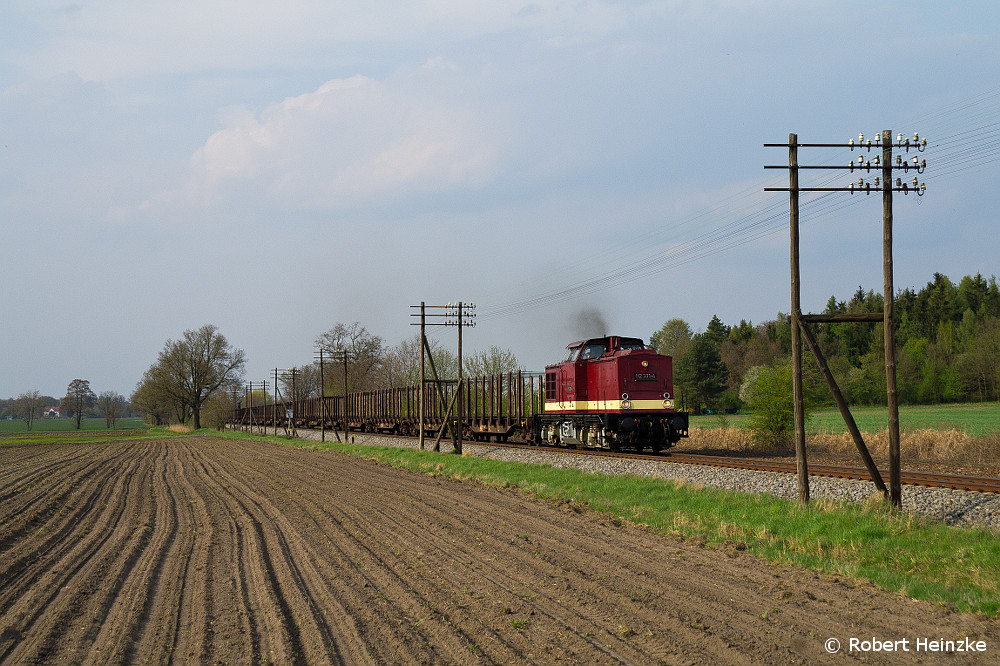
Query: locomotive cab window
(593, 350)
(550, 386)
(632, 345)
(571, 354)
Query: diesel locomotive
(611, 392)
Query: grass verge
(899, 552)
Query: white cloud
(351, 140)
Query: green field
(974, 419)
(63, 425)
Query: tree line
(79, 402)
(947, 350)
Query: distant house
(51, 412)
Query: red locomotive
(614, 393)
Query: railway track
(981, 484)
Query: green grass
(80, 436)
(899, 552)
(974, 419)
(62, 425)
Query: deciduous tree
(493, 361)
(112, 405)
(672, 339)
(28, 406)
(79, 398)
(365, 352)
(190, 369)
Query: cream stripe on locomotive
(606, 405)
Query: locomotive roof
(621, 339)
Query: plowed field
(208, 550)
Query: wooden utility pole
(274, 410)
(459, 421)
(800, 322)
(801, 466)
(294, 394)
(423, 378)
(322, 400)
(895, 485)
(342, 353)
(464, 316)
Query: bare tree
(365, 353)
(112, 405)
(28, 406)
(401, 364)
(306, 383)
(79, 398)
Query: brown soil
(208, 550)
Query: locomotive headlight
(668, 404)
(645, 364)
(626, 404)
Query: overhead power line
(964, 135)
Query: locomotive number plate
(645, 375)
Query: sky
(274, 168)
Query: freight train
(609, 392)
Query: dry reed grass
(180, 427)
(952, 446)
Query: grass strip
(899, 552)
(80, 436)
(69, 425)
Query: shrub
(768, 391)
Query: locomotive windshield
(593, 350)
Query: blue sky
(276, 168)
